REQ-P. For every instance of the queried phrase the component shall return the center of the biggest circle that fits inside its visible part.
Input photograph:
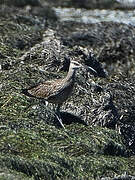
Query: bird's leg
(58, 115)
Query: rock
(126, 3)
(21, 3)
(111, 43)
(89, 4)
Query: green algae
(47, 152)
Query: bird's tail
(25, 92)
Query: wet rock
(89, 59)
(21, 3)
(106, 114)
(89, 4)
(45, 11)
(128, 4)
(111, 43)
(114, 39)
(123, 94)
(93, 4)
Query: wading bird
(57, 91)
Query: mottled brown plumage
(56, 91)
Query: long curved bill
(90, 69)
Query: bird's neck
(71, 74)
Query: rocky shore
(99, 140)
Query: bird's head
(75, 65)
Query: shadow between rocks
(69, 118)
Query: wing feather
(46, 89)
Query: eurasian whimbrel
(56, 91)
